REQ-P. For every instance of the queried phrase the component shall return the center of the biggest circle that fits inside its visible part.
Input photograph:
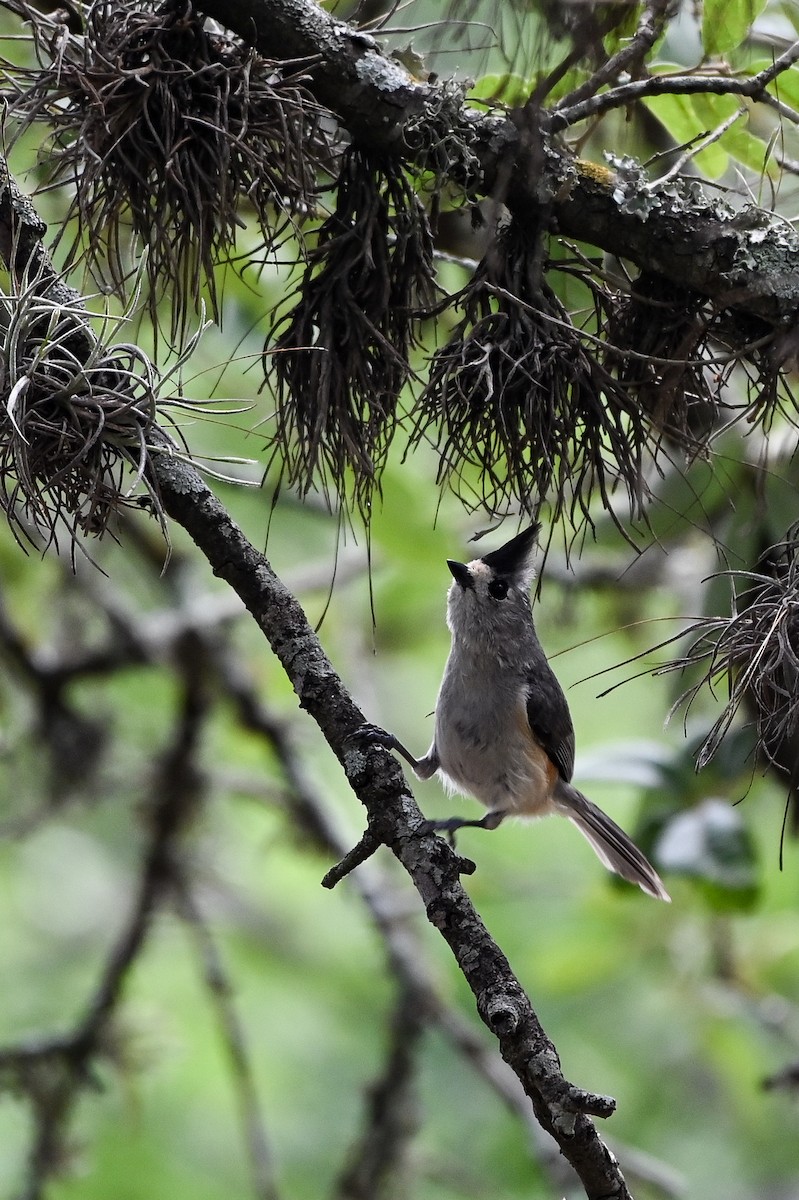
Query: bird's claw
(371, 735)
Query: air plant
(753, 653)
(519, 405)
(77, 417)
(341, 355)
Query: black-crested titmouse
(503, 731)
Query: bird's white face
(487, 609)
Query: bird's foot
(451, 825)
(373, 735)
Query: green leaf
(688, 117)
(711, 844)
(569, 83)
(637, 762)
(678, 117)
(726, 23)
(510, 89)
(786, 85)
(737, 142)
(750, 151)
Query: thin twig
(695, 148)
(675, 85)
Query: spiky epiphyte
(519, 407)
(754, 652)
(341, 354)
(165, 126)
(74, 421)
(661, 352)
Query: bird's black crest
(513, 557)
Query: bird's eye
(498, 588)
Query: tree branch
(221, 991)
(376, 1164)
(348, 73)
(53, 1072)
(393, 819)
(391, 915)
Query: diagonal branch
(390, 913)
(394, 820)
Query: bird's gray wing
(549, 717)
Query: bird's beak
(461, 574)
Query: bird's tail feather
(612, 845)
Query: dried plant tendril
(754, 652)
(518, 406)
(341, 354)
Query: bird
(503, 731)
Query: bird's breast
(485, 745)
